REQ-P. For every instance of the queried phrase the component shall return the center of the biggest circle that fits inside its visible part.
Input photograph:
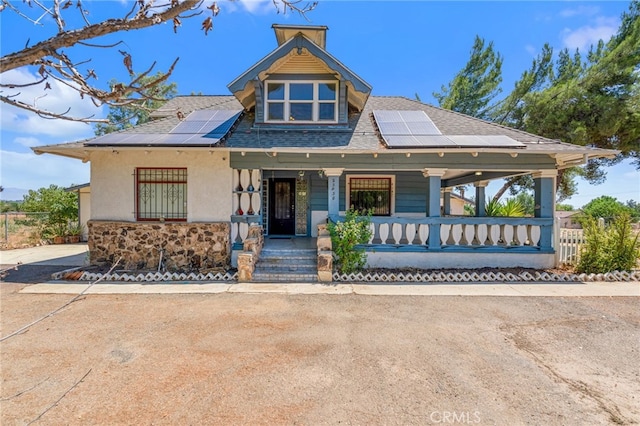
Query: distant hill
(13, 194)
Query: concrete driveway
(36, 264)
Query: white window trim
(377, 176)
(287, 102)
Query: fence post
(6, 227)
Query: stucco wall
(85, 209)
(209, 182)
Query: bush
(608, 248)
(345, 236)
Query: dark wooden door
(282, 206)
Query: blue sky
(400, 48)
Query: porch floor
(289, 243)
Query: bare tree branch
(53, 62)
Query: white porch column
(333, 190)
(434, 182)
(481, 198)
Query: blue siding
(411, 192)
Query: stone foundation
(184, 245)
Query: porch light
(474, 154)
(307, 155)
(408, 154)
(243, 153)
(478, 173)
(321, 172)
(301, 174)
(441, 154)
(514, 154)
(375, 155)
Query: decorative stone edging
(477, 277)
(147, 277)
(377, 277)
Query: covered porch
(418, 229)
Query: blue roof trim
(299, 41)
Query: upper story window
(301, 101)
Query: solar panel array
(200, 128)
(414, 129)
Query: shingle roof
(361, 135)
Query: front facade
(298, 142)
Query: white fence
(569, 243)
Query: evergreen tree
(476, 85)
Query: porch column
(544, 197)
(481, 198)
(434, 182)
(446, 202)
(333, 190)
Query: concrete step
(262, 277)
(290, 265)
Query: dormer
(300, 83)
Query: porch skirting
(455, 260)
(181, 245)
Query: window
(301, 101)
(161, 194)
(371, 194)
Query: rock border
(366, 277)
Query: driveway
(318, 359)
(36, 264)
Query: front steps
(286, 265)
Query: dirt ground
(277, 359)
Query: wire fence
(21, 229)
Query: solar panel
(399, 122)
(206, 121)
(200, 128)
(414, 129)
(484, 141)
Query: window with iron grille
(371, 195)
(161, 194)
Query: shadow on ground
(31, 274)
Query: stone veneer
(187, 245)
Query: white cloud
(580, 11)
(256, 7)
(530, 49)
(27, 141)
(585, 36)
(58, 99)
(30, 171)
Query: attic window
(301, 101)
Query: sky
(400, 48)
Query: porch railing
(460, 233)
(240, 228)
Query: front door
(282, 206)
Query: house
(567, 219)
(299, 140)
(84, 206)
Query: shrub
(345, 236)
(608, 248)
